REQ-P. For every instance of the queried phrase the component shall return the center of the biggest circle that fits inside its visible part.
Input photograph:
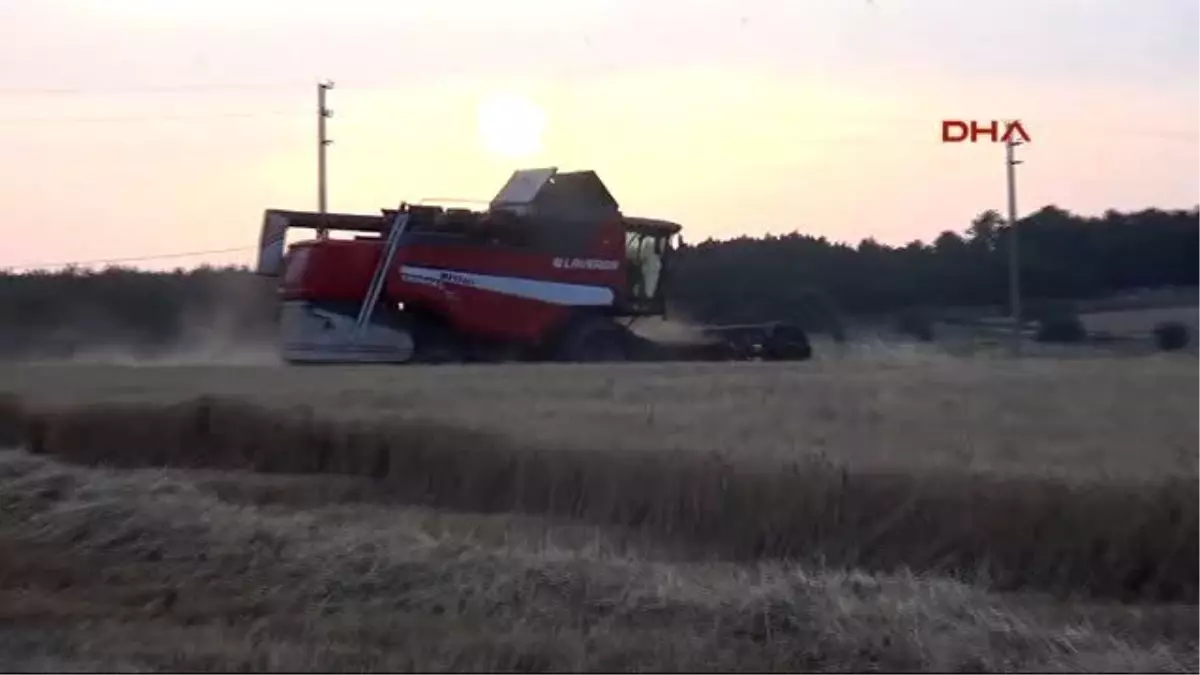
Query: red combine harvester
(545, 273)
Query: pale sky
(143, 127)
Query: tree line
(1063, 256)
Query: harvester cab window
(644, 252)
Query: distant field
(890, 409)
(656, 517)
(1170, 299)
(1141, 321)
(1145, 299)
(1127, 331)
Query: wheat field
(879, 512)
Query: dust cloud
(228, 322)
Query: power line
(148, 89)
(1075, 123)
(141, 258)
(164, 117)
(146, 116)
(1067, 127)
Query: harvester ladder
(399, 225)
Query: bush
(1171, 335)
(915, 323)
(1063, 329)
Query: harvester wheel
(595, 339)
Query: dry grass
(1073, 478)
(159, 570)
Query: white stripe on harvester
(553, 292)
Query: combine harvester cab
(543, 273)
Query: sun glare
(511, 126)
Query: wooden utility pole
(323, 113)
(1014, 258)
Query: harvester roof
(652, 225)
(549, 192)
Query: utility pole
(323, 113)
(1014, 259)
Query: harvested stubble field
(932, 514)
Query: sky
(149, 127)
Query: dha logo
(957, 131)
